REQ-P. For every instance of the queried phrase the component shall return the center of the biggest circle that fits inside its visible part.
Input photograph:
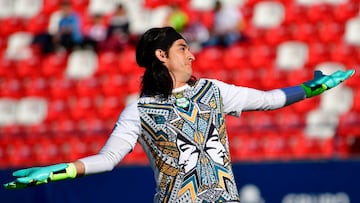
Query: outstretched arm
(237, 99)
(119, 144)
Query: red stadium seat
(349, 124)
(50, 6)
(61, 88)
(306, 105)
(256, 35)
(71, 148)
(37, 24)
(298, 76)
(331, 31)
(210, 58)
(235, 57)
(289, 121)
(93, 124)
(114, 85)
(356, 101)
(7, 68)
(29, 67)
(318, 53)
(11, 88)
(154, 3)
(80, 5)
(305, 148)
(63, 127)
(277, 146)
(305, 32)
(247, 147)
(39, 129)
(344, 11)
(3, 158)
(246, 76)
(207, 18)
(261, 56)
(94, 143)
(262, 122)
(344, 53)
(82, 108)
(343, 147)
(107, 63)
(127, 62)
(318, 12)
(18, 153)
(354, 82)
(11, 25)
(45, 151)
(294, 13)
(277, 35)
(36, 86)
(88, 87)
(133, 84)
(54, 64)
(58, 109)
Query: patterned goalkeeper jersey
(186, 142)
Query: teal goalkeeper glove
(322, 82)
(41, 175)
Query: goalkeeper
(179, 120)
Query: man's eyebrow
(183, 45)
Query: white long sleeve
(237, 99)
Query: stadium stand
(68, 101)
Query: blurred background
(67, 69)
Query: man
(179, 122)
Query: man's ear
(160, 54)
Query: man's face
(179, 62)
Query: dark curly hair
(156, 80)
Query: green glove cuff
(61, 173)
(313, 91)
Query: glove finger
(338, 77)
(15, 185)
(343, 74)
(318, 74)
(25, 180)
(33, 177)
(22, 172)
